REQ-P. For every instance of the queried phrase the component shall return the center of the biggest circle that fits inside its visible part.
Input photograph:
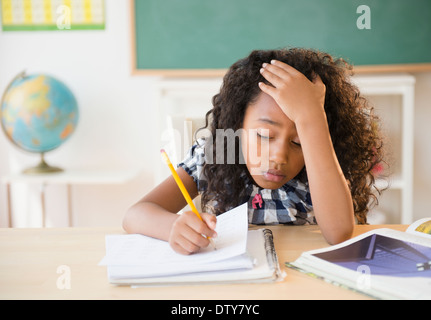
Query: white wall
(116, 122)
(115, 116)
(422, 147)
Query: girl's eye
(263, 137)
(296, 143)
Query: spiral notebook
(242, 256)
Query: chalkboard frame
(210, 73)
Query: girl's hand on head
(299, 98)
(189, 234)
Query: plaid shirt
(290, 204)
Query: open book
(241, 256)
(382, 263)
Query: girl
(321, 142)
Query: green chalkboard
(212, 34)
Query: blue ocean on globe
(38, 112)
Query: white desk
(67, 178)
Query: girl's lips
(274, 175)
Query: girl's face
(270, 144)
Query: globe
(38, 114)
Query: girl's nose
(279, 152)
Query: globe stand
(42, 167)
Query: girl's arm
(155, 215)
(303, 102)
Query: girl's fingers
(199, 227)
(284, 66)
(189, 234)
(274, 71)
(211, 222)
(192, 241)
(273, 77)
(270, 90)
(185, 246)
(279, 72)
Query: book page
(135, 249)
(384, 263)
(382, 255)
(421, 228)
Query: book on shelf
(241, 256)
(382, 263)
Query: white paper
(166, 269)
(243, 266)
(140, 250)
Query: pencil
(183, 189)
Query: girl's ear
(313, 76)
(316, 79)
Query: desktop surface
(62, 263)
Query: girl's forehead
(265, 107)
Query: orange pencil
(183, 189)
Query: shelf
(75, 176)
(393, 183)
(69, 177)
(393, 99)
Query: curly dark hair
(353, 126)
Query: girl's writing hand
(189, 234)
(298, 97)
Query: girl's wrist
(313, 119)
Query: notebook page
(234, 269)
(134, 249)
(149, 271)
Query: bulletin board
(37, 15)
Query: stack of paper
(240, 255)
